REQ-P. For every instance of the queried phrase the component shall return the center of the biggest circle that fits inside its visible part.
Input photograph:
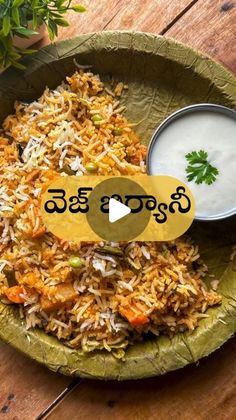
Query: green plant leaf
(14, 55)
(79, 8)
(42, 13)
(26, 51)
(35, 21)
(18, 65)
(61, 22)
(7, 42)
(199, 168)
(52, 29)
(60, 3)
(34, 4)
(17, 3)
(54, 14)
(16, 15)
(6, 25)
(25, 32)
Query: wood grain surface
(203, 392)
(210, 26)
(207, 25)
(25, 386)
(141, 15)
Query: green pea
(85, 102)
(117, 131)
(165, 253)
(76, 262)
(96, 118)
(91, 167)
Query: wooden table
(203, 392)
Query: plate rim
(44, 348)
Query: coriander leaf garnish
(199, 169)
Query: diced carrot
(51, 174)
(3, 141)
(32, 175)
(136, 320)
(13, 294)
(39, 232)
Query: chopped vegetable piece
(29, 279)
(136, 320)
(110, 250)
(39, 232)
(48, 305)
(11, 277)
(117, 131)
(64, 293)
(67, 170)
(91, 167)
(13, 294)
(76, 262)
(20, 148)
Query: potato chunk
(64, 293)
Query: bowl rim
(199, 107)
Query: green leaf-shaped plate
(163, 76)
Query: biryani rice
(124, 290)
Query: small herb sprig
(15, 16)
(199, 169)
